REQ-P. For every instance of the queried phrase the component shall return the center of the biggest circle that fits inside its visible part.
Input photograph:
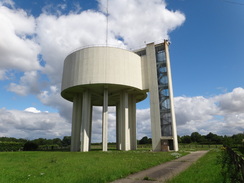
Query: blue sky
(206, 49)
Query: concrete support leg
(132, 122)
(175, 138)
(118, 128)
(90, 132)
(171, 96)
(124, 120)
(76, 123)
(105, 120)
(85, 123)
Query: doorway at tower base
(167, 145)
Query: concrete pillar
(154, 98)
(76, 123)
(90, 132)
(124, 121)
(85, 122)
(171, 97)
(132, 122)
(105, 120)
(118, 127)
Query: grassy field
(207, 169)
(70, 167)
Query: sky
(206, 51)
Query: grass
(206, 169)
(75, 167)
(195, 147)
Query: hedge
(11, 146)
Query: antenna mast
(107, 24)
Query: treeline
(14, 144)
(212, 138)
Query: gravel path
(163, 172)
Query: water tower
(107, 76)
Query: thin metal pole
(107, 24)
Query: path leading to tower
(163, 172)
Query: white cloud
(32, 123)
(194, 109)
(29, 84)
(52, 36)
(199, 114)
(140, 21)
(58, 36)
(18, 49)
(7, 3)
(143, 123)
(53, 98)
(32, 109)
(222, 114)
(231, 102)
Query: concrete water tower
(107, 76)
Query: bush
(30, 146)
(231, 171)
(10, 146)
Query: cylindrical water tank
(94, 68)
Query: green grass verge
(71, 167)
(207, 169)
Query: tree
(40, 141)
(66, 141)
(214, 139)
(238, 138)
(57, 141)
(30, 146)
(196, 137)
(145, 140)
(186, 139)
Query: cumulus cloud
(58, 35)
(199, 114)
(32, 123)
(52, 97)
(54, 34)
(194, 109)
(32, 109)
(18, 48)
(231, 102)
(143, 122)
(2, 75)
(37, 46)
(28, 84)
(222, 114)
(137, 21)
